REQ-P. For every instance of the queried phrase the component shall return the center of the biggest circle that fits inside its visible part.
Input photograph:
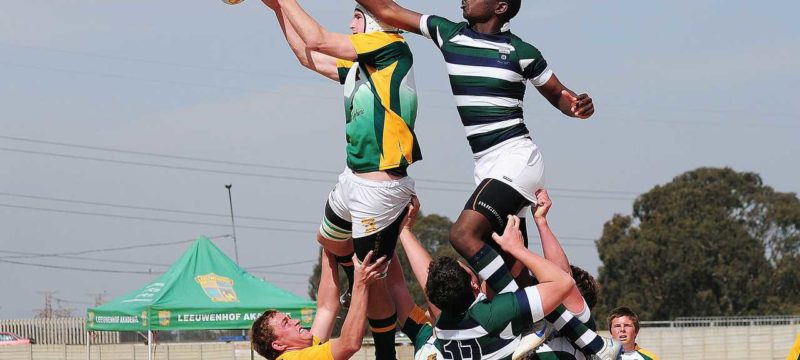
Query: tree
(432, 232)
(713, 242)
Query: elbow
(353, 347)
(315, 41)
(568, 283)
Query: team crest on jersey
(504, 53)
(163, 317)
(369, 224)
(217, 288)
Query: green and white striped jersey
(487, 77)
(484, 331)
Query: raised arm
(327, 298)
(554, 283)
(395, 15)
(553, 251)
(314, 35)
(316, 61)
(571, 104)
(352, 335)
(418, 257)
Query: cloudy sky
(121, 122)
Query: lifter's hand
(367, 273)
(512, 237)
(411, 216)
(543, 204)
(581, 105)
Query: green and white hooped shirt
(487, 77)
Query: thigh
(336, 223)
(382, 242)
(495, 200)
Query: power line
(38, 197)
(294, 178)
(186, 168)
(168, 156)
(283, 264)
(153, 61)
(115, 261)
(121, 248)
(277, 273)
(95, 270)
(148, 219)
(160, 81)
(247, 164)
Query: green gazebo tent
(203, 290)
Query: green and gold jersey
(380, 100)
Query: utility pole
(233, 224)
(47, 311)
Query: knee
(338, 248)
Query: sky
(121, 122)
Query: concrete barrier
(743, 342)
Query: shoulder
(647, 354)
(439, 28)
(368, 42)
(317, 351)
(436, 20)
(523, 48)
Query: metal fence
(725, 321)
(70, 331)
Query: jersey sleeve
(437, 28)
(375, 48)
(342, 67)
(416, 325)
(317, 351)
(523, 305)
(534, 66)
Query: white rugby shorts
(370, 205)
(516, 162)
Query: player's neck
(490, 27)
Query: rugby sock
(383, 333)
(416, 319)
(347, 265)
(492, 269)
(587, 341)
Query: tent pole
(88, 346)
(149, 344)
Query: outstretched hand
(581, 105)
(543, 204)
(367, 272)
(512, 236)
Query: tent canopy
(203, 290)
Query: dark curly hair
(513, 9)
(586, 284)
(448, 286)
(262, 336)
